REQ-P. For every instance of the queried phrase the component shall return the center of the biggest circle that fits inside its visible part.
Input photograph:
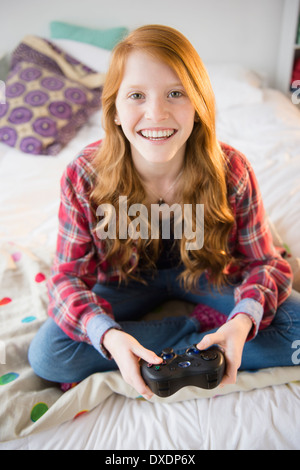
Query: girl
(160, 147)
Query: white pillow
(234, 85)
(94, 57)
(234, 72)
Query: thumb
(207, 341)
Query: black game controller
(203, 369)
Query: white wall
(242, 31)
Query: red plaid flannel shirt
(264, 276)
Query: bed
(262, 410)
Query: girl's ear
(117, 120)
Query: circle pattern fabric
(43, 111)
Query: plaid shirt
(264, 276)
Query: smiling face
(153, 109)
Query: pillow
(107, 38)
(234, 72)
(234, 85)
(47, 98)
(94, 57)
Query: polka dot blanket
(29, 404)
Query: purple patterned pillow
(44, 107)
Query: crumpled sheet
(29, 404)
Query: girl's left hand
(231, 337)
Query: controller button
(184, 364)
(157, 367)
(209, 355)
(149, 365)
(167, 353)
(193, 350)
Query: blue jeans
(56, 357)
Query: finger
(147, 355)
(229, 377)
(136, 380)
(144, 390)
(208, 340)
(230, 372)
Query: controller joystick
(193, 350)
(167, 353)
(203, 369)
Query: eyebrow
(139, 86)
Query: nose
(156, 109)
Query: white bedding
(263, 414)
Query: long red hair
(204, 177)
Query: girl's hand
(127, 351)
(231, 337)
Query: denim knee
(37, 353)
(54, 356)
(44, 353)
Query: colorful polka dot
(28, 319)
(7, 378)
(81, 413)
(40, 277)
(38, 410)
(16, 256)
(5, 301)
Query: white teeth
(157, 134)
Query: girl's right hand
(127, 351)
